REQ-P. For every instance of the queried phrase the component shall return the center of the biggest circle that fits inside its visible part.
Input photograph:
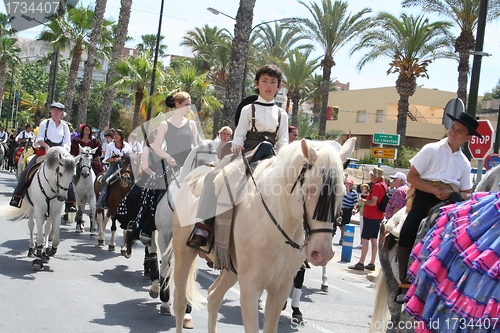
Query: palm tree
(149, 43)
(239, 54)
(314, 93)
(135, 72)
(34, 104)
(78, 25)
(213, 46)
(57, 38)
(332, 27)
(465, 14)
(412, 43)
(278, 41)
(120, 38)
(8, 49)
(297, 70)
(97, 27)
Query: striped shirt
(349, 200)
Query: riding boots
(403, 254)
(201, 233)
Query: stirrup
(210, 241)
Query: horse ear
(309, 153)
(93, 150)
(347, 148)
(81, 149)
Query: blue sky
(181, 16)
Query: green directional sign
(386, 139)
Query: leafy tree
(33, 76)
(314, 93)
(411, 42)
(34, 105)
(135, 72)
(149, 44)
(332, 27)
(465, 13)
(8, 50)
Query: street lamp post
(282, 20)
(155, 61)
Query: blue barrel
(347, 243)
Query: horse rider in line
(51, 133)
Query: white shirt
(266, 120)
(25, 135)
(55, 133)
(437, 162)
(112, 151)
(3, 137)
(136, 147)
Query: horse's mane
(57, 155)
(282, 171)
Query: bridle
(83, 166)
(58, 186)
(307, 228)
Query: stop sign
(479, 147)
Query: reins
(307, 228)
(55, 191)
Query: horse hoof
(125, 254)
(165, 310)
(51, 251)
(187, 323)
(100, 242)
(31, 252)
(37, 265)
(45, 258)
(111, 248)
(324, 288)
(153, 294)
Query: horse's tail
(381, 315)
(194, 298)
(13, 213)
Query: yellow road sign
(384, 152)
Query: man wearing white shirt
(25, 135)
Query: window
(379, 116)
(361, 116)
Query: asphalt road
(86, 288)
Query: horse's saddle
(31, 172)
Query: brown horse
(116, 193)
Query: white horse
(490, 182)
(83, 183)
(301, 189)
(44, 202)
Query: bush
(405, 154)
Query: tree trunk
(73, 74)
(95, 35)
(239, 53)
(464, 43)
(327, 63)
(121, 37)
(139, 96)
(316, 112)
(54, 68)
(3, 72)
(402, 118)
(295, 107)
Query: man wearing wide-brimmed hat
(439, 169)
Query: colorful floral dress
(457, 268)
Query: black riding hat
(469, 122)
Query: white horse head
(84, 161)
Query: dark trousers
(422, 203)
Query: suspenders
(254, 129)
